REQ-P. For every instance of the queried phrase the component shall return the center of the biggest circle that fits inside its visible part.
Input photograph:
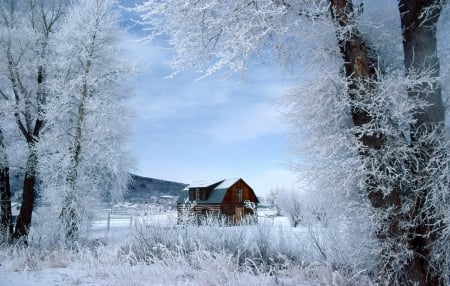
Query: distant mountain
(140, 190)
(154, 191)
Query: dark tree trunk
(420, 55)
(28, 197)
(32, 135)
(5, 199)
(395, 231)
(23, 222)
(30, 101)
(6, 227)
(360, 72)
(419, 24)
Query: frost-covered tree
(27, 28)
(60, 82)
(291, 206)
(83, 152)
(369, 103)
(273, 200)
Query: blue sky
(186, 130)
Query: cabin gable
(234, 200)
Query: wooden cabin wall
(198, 209)
(247, 194)
(212, 209)
(230, 200)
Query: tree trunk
(30, 101)
(6, 227)
(69, 216)
(23, 222)
(69, 213)
(360, 72)
(398, 231)
(28, 197)
(32, 135)
(420, 54)
(419, 24)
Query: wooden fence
(117, 217)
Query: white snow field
(128, 247)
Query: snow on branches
(369, 126)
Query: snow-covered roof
(203, 184)
(217, 193)
(226, 184)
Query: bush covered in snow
(146, 251)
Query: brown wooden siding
(228, 209)
(231, 197)
(198, 209)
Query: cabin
(224, 198)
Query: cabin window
(197, 194)
(239, 195)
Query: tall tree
(413, 229)
(88, 159)
(396, 122)
(29, 28)
(62, 74)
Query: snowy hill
(140, 190)
(155, 191)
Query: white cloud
(162, 99)
(277, 178)
(245, 123)
(141, 53)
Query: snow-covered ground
(111, 256)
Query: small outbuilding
(232, 198)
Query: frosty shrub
(263, 250)
(115, 266)
(185, 214)
(262, 246)
(259, 243)
(291, 205)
